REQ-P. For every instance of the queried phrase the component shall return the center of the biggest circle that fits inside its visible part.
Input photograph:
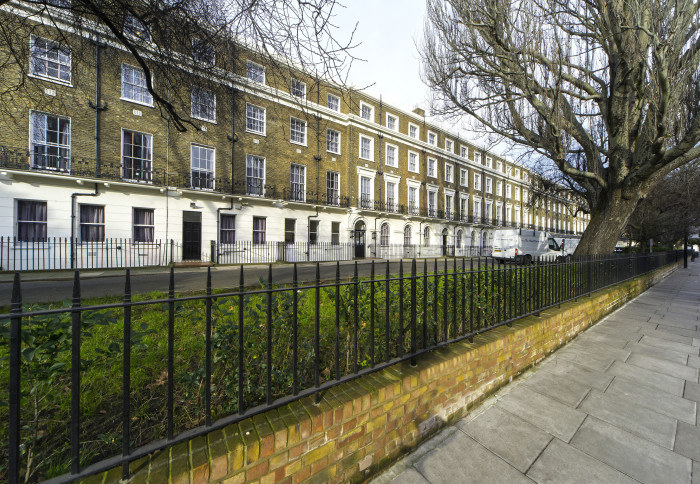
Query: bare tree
(605, 90)
(671, 211)
(172, 40)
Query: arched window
(484, 239)
(472, 242)
(384, 234)
(426, 237)
(407, 235)
(458, 242)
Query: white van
(523, 245)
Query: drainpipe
(72, 219)
(232, 137)
(98, 107)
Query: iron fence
(60, 253)
(80, 404)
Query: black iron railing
(208, 360)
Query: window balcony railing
(202, 180)
(366, 202)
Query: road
(59, 286)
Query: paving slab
(692, 391)
(595, 348)
(664, 366)
(690, 333)
(562, 463)
(560, 388)
(663, 353)
(617, 333)
(665, 403)
(638, 458)
(546, 413)
(592, 361)
(603, 339)
(508, 436)
(662, 341)
(584, 375)
(461, 459)
(627, 415)
(648, 378)
(688, 441)
(696, 472)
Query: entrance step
(193, 263)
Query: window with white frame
(136, 28)
(144, 225)
(366, 111)
(509, 211)
(254, 119)
(432, 167)
(50, 141)
(449, 205)
(432, 203)
(332, 188)
(297, 183)
(391, 197)
(477, 209)
(426, 237)
(202, 160)
(448, 145)
(413, 130)
(477, 158)
(366, 148)
(289, 230)
(463, 177)
(488, 213)
(227, 229)
(384, 234)
(432, 138)
(31, 221)
(508, 190)
(407, 235)
(413, 200)
(464, 152)
(499, 166)
(50, 60)
(333, 141)
(137, 156)
(499, 188)
(134, 86)
(203, 52)
(517, 173)
(524, 195)
(365, 192)
(335, 233)
(392, 155)
(392, 122)
(463, 208)
(255, 72)
(489, 162)
(477, 181)
(297, 131)
(92, 223)
(458, 242)
(489, 185)
(255, 175)
(509, 170)
(203, 104)
(413, 161)
(298, 89)
(259, 230)
(449, 173)
(517, 193)
(333, 102)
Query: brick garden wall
(362, 426)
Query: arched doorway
(444, 242)
(359, 237)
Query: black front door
(191, 236)
(444, 243)
(359, 244)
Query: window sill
(126, 99)
(257, 133)
(51, 80)
(298, 143)
(212, 121)
(334, 152)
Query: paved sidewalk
(619, 404)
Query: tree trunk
(607, 221)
